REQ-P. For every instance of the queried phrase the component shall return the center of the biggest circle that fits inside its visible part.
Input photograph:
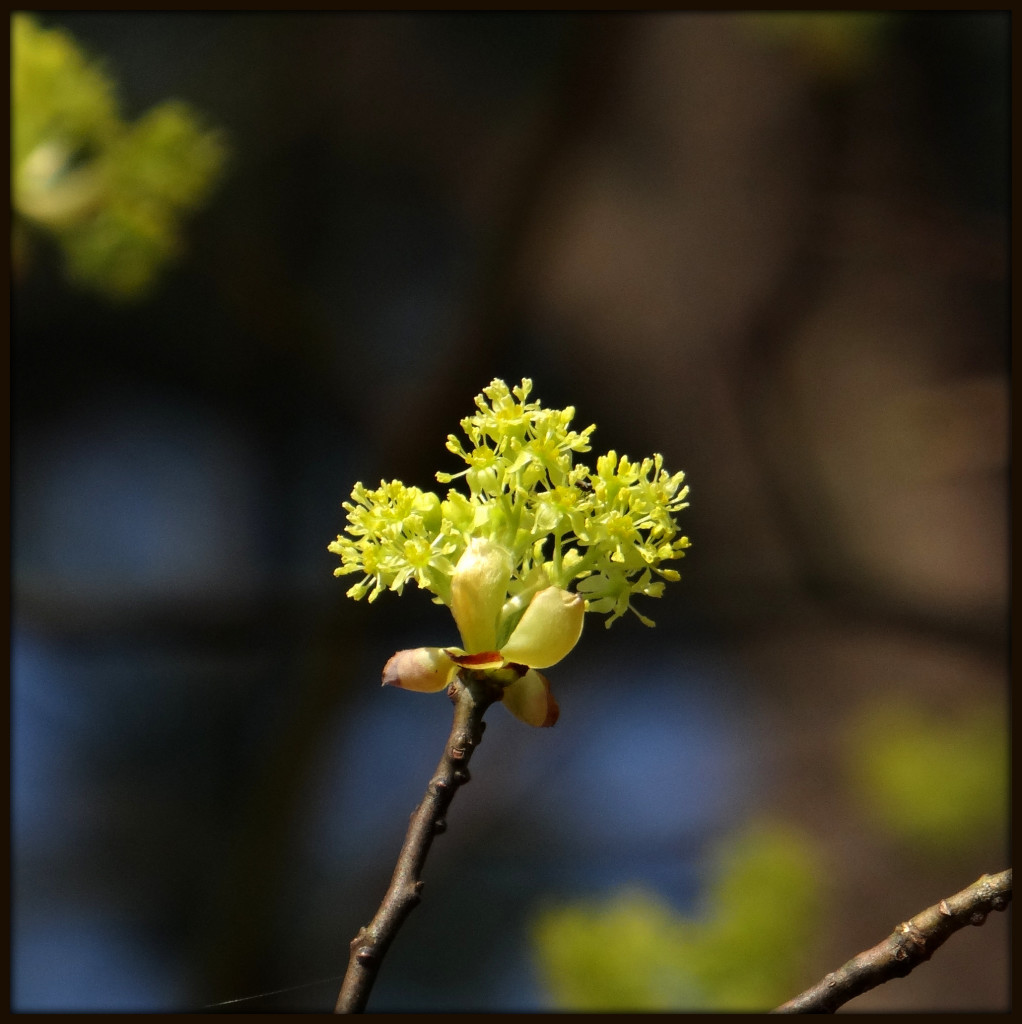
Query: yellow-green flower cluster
(111, 192)
(503, 557)
(604, 532)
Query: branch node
(440, 826)
(945, 909)
(365, 955)
(911, 943)
(461, 776)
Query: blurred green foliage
(836, 44)
(112, 193)
(937, 782)
(634, 953)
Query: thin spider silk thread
(274, 992)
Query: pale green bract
(605, 532)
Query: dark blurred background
(778, 257)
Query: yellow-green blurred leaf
(632, 952)
(834, 44)
(57, 94)
(936, 781)
(167, 157)
(112, 194)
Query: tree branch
(471, 696)
(906, 947)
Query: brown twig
(906, 947)
(471, 696)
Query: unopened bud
(426, 669)
(478, 589)
(530, 699)
(548, 630)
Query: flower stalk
(471, 694)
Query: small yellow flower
(538, 541)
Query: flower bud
(548, 630)
(530, 699)
(426, 669)
(478, 589)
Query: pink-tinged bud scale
(425, 669)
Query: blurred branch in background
(503, 199)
